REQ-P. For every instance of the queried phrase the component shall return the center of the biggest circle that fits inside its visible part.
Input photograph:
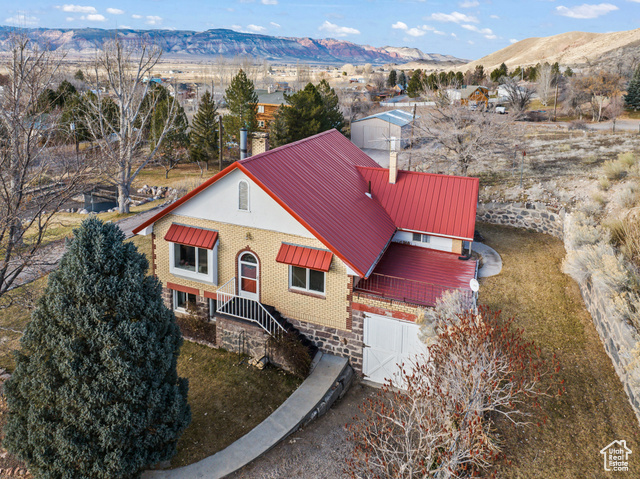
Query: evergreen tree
(393, 79)
(79, 75)
(308, 112)
(331, 115)
(203, 146)
(242, 99)
(95, 392)
(632, 98)
(568, 72)
(501, 71)
(415, 84)
(402, 79)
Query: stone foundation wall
(533, 216)
(241, 337)
(346, 344)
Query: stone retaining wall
(533, 216)
(618, 337)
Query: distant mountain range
(228, 43)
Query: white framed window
(420, 238)
(243, 196)
(182, 301)
(260, 108)
(199, 264)
(305, 279)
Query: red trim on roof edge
(186, 197)
(223, 173)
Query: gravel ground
(315, 452)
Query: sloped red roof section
(304, 257)
(418, 275)
(438, 204)
(318, 180)
(187, 235)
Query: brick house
(317, 234)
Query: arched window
(243, 196)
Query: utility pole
(220, 150)
(555, 100)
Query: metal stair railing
(231, 304)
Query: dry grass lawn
(548, 306)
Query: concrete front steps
(329, 380)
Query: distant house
(389, 130)
(469, 95)
(268, 103)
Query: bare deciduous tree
(37, 174)
(465, 136)
(518, 97)
(600, 87)
(124, 72)
(545, 83)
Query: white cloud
(453, 17)
(153, 20)
(69, 19)
(400, 26)
(470, 42)
(236, 27)
(415, 32)
(473, 28)
(586, 11)
(454, 35)
(269, 2)
(256, 28)
(93, 17)
(22, 20)
(125, 27)
(469, 4)
(115, 11)
(491, 37)
(136, 16)
(513, 40)
(274, 24)
(438, 32)
(337, 30)
(495, 17)
(77, 8)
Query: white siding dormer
(432, 242)
(222, 202)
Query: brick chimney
(393, 167)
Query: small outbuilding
(389, 130)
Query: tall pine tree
(203, 146)
(242, 99)
(632, 98)
(307, 112)
(95, 392)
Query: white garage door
(388, 343)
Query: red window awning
(304, 257)
(190, 236)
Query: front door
(248, 276)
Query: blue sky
(464, 28)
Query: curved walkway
(491, 260)
(311, 399)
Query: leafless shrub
(441, 425)
(577, 125)
(449, 306)
(581, 230)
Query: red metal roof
(438, 204)
(418, 275)
(317, 179)
(304, 257)
(190, 236)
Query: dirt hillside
(569, 49)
